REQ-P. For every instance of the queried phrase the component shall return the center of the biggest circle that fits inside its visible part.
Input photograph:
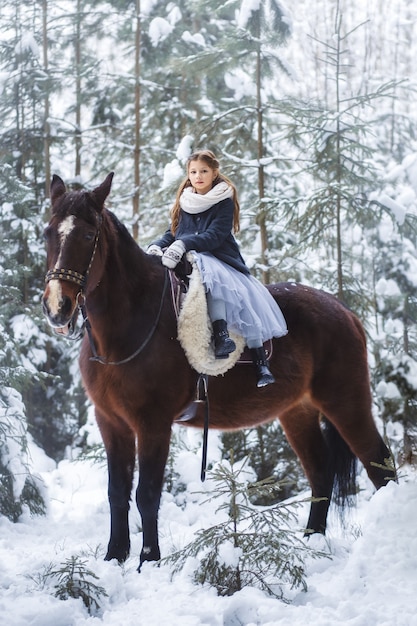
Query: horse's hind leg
(301, 425)
(342, 391)
(153, 450)
(120, 446)
(358, 429)
(348, 408)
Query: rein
(102, 360)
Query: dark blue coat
(210, 231)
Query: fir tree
(270, 456)
(54, 401)
(340, 153)
(73, 579)
(395, 344)
(249, 546)
(19, 485)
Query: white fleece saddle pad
(195, 330)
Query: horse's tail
(342, 465)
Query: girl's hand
(154, 249)
(173, 254)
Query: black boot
(223, 345)
(263, 373)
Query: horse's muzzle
(64, 320)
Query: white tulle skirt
(251, 311)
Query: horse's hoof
(149, 554)
(116, 553)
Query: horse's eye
(89, 236)
(47, 232)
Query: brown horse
(141, 382)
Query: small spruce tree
(250, 546)
(73, 579)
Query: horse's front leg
(119, 441)
(153, 450)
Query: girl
(205, 212)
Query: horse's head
(72, 241)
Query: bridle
(72, 276)
(79, 279)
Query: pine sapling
(75, 580)
(251, 546)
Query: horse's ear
(57, 188)
(101, 192)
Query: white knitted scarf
(194, 203)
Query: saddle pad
(195, 330)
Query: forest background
(310, 110)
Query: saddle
(194, 326)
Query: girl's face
(201, 176)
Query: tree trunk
(136, 148)
(340, 286)
(261, 219)
(78, 138)
(46, 126)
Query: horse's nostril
(66, 305)
(58, 313)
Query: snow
(246, 9)
(174, 171)
(27, 43)
(12, 431)
(370, 577)
(387, 287)
(240, 82)
(185, 148)
(159, 29)
(399, 212)
(147, 6)
(197, 38)
(388, 390)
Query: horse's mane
(142, 267)
(120, 228)
(117, 231)
(87, 208)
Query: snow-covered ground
(370, 580)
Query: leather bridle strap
(72, 276)
(202, 396)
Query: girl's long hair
(208, 157)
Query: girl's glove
(154, 249)
(173, 255)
